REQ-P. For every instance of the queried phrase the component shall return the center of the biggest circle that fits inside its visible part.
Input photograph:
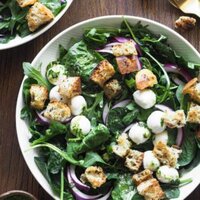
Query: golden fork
(187, 6)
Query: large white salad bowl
(50, 53)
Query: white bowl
(50, 53)
(19, 40)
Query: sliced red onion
(138, 49)
(41, 119)
(177, 81)
(178, 70)
(139, 64)
(77, 193)
(106, 196)
(76, 181)
(163, 107)
(105, 113)
(128, 128)
(105, 50)
(123, 39)
(179, 138)
(122, 103)
(112, 44)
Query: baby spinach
(171, 192)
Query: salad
(116, 116)
(23, 17)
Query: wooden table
(14, 173)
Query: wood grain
(14, 173)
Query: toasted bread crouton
(185, 22)
(134, 160)
(142, 176)
(70, 87)
(24, 3)
(122, 146)
(102, 73)
(112, 88)
(193, 89)
(174, 119)
(145, 79)
(151, 190)
(57, 111)
(193, 115)
(95, 176)
(124, 49)
(126, 65)
(165, 154)
(38, 15)
(39, 94)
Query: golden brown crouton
(39, 94)
(134, 160)
(193, 115)
(70, 87)
(124, 49)
(57, 111)
(102, 73)
(193, 89)
(142, 176)
(112, 88)
(24, 3)
(185, 22)
(126, 64)
(174, 119)
(121, 149)
(38, 15)
(151, 190)
(165, 154)
(95, 176)
(144, 79)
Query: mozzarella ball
(54, 73)
(150, 161)
(145, 98)
(163, 137)
(80, 126)
(155, 122)
(139, 133)
(54, 95)
(77, 104)
(166, 174)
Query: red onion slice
(77, 193)
(122, 39)
(139, 64)
(76, 181)
(163, 107)
(106, 196)
(41, 119)
(105, 113)
(122, 103)
(178, 70)
(177, 81)
(128, 128)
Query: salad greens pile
(59, 148)
(13, 18)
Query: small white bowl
(19, 40)
(50, 53)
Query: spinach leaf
(80, 60)
(171, 192)
(189, 147)
(100, 134)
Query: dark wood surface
(14, 173)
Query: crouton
(165, 154)
(142, 176)
(174, 119)
(145, 79)
(112, 88)
(193, 89)
(24, 3)
(151, 190)
(193, 115)
(102, 73)
(134, 160)
(126, 64)
(70, 87)
(38, 15)
(124, 49)
(39, 94)
(57, 111)
(121, 149)
(185, 22)
(95, 176)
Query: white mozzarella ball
(163, 137)
(77, 104)
(155, 122)
(150, 161)
(139, 133)
(80, 126)
(54, 95)
(145, 98)
(166, 174)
